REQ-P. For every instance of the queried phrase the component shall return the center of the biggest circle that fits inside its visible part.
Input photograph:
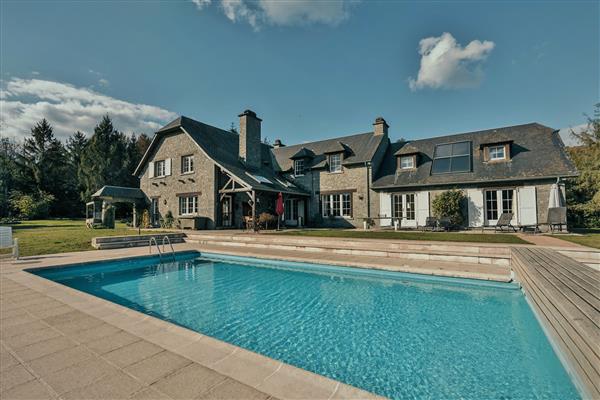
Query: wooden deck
(566, 297)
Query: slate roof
(119, 192)
(357, 148)
(223, 147)
(536, 152)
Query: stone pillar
(135, 221)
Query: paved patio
(59, 343)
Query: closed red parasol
(279, 208)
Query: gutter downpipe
(368, 165)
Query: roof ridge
(480, 131)
(338, 138)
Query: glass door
(403, 208)
(291, 212)
(498, 202)
(226, 207)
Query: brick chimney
(380, 127)
(250, 139)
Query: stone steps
(589, 257)
(118, 242)
(435, 251)
(435, 268)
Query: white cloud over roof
(446, 64)
(23, 102)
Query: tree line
(43, 177)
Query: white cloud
(568, 138)
(446, 64)
(103, 82)
(201, 3)
(283, 13)
(23, 102)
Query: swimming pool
(397, 335)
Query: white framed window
(160, 168)
(299, 167)
(335, 162)
(187, 164)
(498, 202)
(403, 206)
(497, 153)
(188, 205)
(337, 205)
(407, 162)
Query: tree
(76, 144)
(9, 173)
(449, 204)
(103, 158)
(43, 163)
(583, 192)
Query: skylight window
(452, 157)
(259, 178)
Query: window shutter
(527, 205)
(385, 209)
(151, 169)
(167, 167)
(422, 208)
(475, 206)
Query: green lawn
(584, 237)
(438, 236)
(60, 236)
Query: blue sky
(310, 70)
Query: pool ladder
(160, 253)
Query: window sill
(335, 172)
(187, 173)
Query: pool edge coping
(260, 372)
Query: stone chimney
(277, 144)
(380, 127)
(250, 139)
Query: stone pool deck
(56, 342)
(59, 343)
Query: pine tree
(43, 163)
(76, 144)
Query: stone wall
(200, 181)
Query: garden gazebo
(98, 211)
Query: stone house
(200, 172)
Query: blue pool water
(397, 335)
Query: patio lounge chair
(445, 224)
(7, 241)
(431, 223)
(504, 222)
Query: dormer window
(335, 162)
(407, 162)
(497, 153)
(452, 157)
(299, 167)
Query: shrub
(266, 218)
(449, 204)
(27, 206)
(168, 221)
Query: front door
(498, 202)
(404, 209)
(226, 211)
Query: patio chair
(504, 222)
(8, 242)
(557, 216)
(431, 223)
(445, 224)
